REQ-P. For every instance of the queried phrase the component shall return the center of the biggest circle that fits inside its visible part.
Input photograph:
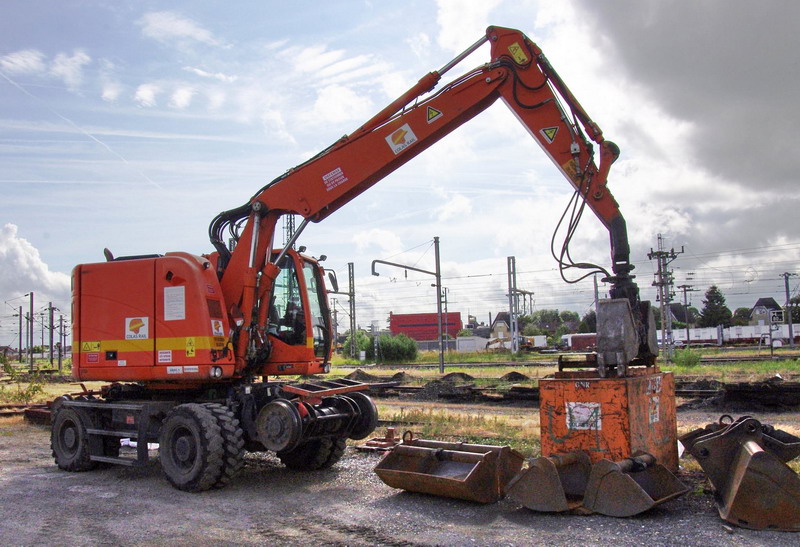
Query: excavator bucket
(454, 470)
(745, 462)
(630, 486)
(552, 484)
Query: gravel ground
(270, 505)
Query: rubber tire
(368, 420)
(232, 443)
(191, 448)
(72, 454)
(314, 454)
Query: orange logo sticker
(401, 138)
(136, 328)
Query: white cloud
(420, 44)
(70, 68)
(336, 103)
(461, 23)
(170, 27)
(387, 242)
(213, 75)
(27, 61)
(455, 207)
(274, 124)
(111, 91)
(24, 270)
(312, 59)
(216, 98)
(146, 94)
(361, 64)
(181, 98)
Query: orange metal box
(610, 418)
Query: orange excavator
(190, 341)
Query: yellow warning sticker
(549, 133)
(90, 347)
(433, 114)
(518, 53)
(191, 346)
(570, 170)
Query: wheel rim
(68, 437)
(183, 448)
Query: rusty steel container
(610, 418)
(454, 470)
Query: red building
(423, 326)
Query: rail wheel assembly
(279, 425)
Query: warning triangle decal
(549, 133)
(433, 114)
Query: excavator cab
(298, 328)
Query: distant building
(424, 326)
(759, 315)
(680, 312)
(501, 326)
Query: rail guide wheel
(279, 425)
(368, 416)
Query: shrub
(23, 395)
(397, 348)
(687, 357)
(364, 343)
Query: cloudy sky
(130, 125)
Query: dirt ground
(346, 505)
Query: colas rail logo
(401, 138)
(136, 328)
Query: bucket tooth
(552, 484)
(630, 486)
(745, 462)
(454, 470)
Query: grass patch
(747, 370)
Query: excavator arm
(520, 75)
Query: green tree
(715, 312)
(547, 321)
(589, 322)
(570, 319)
(741, 317)
(794, 304)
